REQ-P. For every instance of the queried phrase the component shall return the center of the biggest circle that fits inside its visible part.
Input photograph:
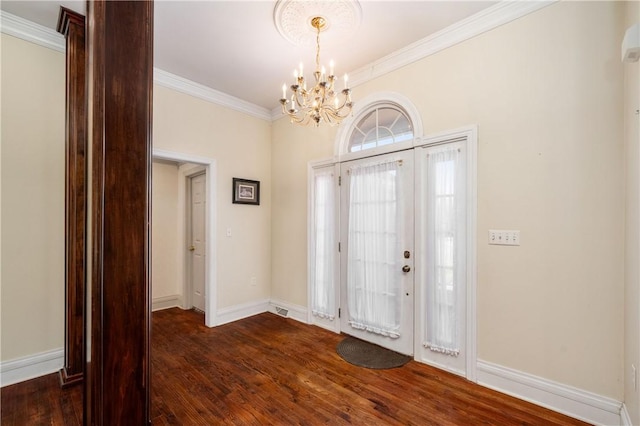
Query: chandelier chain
(318, 49)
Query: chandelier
(322, 102)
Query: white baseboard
(29, 367)
(238, 312)
(625, 418)
(559, 397)
(166, 302)
(296, 312)
(577, 403)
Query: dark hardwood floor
(271, 370)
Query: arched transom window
(382, 125)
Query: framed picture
(246, 191)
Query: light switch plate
(503, 237)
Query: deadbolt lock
(407, 254)
(406, 268)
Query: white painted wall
(546, 93)
(632, 224)
(33, 147)
(165, 280)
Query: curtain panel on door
(374, 271)
(324, 248)
(445, 249)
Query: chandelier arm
(332, 113)
(345, 102)
(301, 98)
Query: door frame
(210, 167)
(470, 135)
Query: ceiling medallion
(323, 102)
(293, 19)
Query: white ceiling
(235, 47)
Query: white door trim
(470, 133)
(211, 293)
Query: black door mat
(365, 354)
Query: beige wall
(546, 93)
(32, 199)
(632, 223)
(292, 148)
(240, 144)
(33, 193)
(164, 239)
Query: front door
(377, 254)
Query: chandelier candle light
(321, 102)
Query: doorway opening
(194, 195)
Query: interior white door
(376, 258)
(198, 201)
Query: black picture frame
(246, 191)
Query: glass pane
(385, 137)
(387, 116)
(381, 126)
(361, 132)
(374, 294)
(402, 129)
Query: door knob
(406, 268)
(192, 248)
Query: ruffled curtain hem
(442, 349)
(323, 315)
(388, 333)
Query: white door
(377, 284)
(197, 236)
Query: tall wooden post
(71, 25)
(120, 85)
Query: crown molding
(35, 33)
(30, 31)
(198, 90)
(481, 22)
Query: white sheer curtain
(374, 275)
(323, 296)
(445, 249)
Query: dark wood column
(120, 86)
(71, 25)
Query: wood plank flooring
(268, 370)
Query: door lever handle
(192, 248)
